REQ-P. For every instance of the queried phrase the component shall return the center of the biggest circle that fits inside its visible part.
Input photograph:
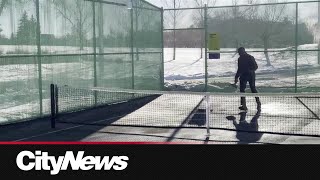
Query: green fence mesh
(80, 43)
(282, 36)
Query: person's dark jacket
(246, 65)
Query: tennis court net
(296, 114)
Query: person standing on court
(247, 67)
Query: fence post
(296, 49)
(208, 111)
(318, 32)
(162, 55)
(95, 81)
(39, 57)
(206, 45)
(174, 30)
(132, 46)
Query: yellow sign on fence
(214, 46)
(214, 42)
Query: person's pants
(244, 79)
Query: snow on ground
(188, 64)
(23, 111)
(189, 69)
(30, 49)
(19, 94)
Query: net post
(56, 99)
(208, 111)
(53, 105)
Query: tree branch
(62, 13)
(3, 4)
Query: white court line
(66, 129)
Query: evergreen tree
(33, 30)
(12, 39)
(27, 34)
(23, 36)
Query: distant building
(47, 38)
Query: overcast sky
(308, 12)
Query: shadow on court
(73, 126)
(251, 127)
(97, 125)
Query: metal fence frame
(205, 29)
(39, 54)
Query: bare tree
(6, 3)
(138, 13)
(199, 17)
(174, 14)
(101, 38)
(10, 5)
(3, 5)
(233, 16)
(265, 19)
(77, 14)
(313, 25)
(238, 13)
(270, 17)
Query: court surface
(161, 119)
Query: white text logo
(42, 161)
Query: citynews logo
(39, 161)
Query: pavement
(281, 121)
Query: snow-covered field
(30, 49)
(188, 70)
(19, 92)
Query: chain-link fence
(136, 45)
(78, 43)
(283, 38)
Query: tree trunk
(202, 45)
(237, 44)
(81, 39)
(80, 28)
(81, 33)
(266, 46)
(65, 25)
(12, 24)
(319, 52)
(48, 18)
(174, 45)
